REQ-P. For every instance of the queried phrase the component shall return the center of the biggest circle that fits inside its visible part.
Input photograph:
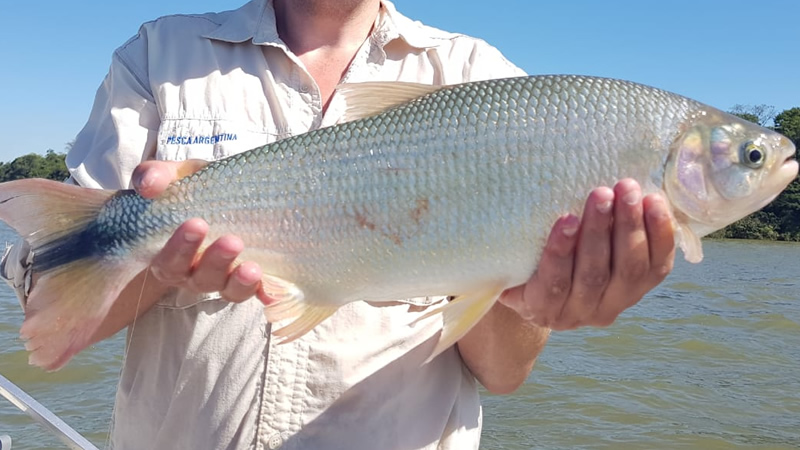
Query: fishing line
(129, 338)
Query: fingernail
(632, 197)
(570, 225)
(192, 237)
(605, 207)
(144, 180)
(246, 279)
(657, 211)
(228, 254)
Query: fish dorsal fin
(374, 97)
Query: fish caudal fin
(43, 211)
(461, 314)
(291, 304)
(66, 307)
(74, 286)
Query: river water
(711, 360)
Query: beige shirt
(202, 373)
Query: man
(201, 370)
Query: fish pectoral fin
(690, 244)
(371, 98)
(461, 314)
(291, 304)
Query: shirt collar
(256, 20)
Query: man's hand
(590, 272)
(184, 262)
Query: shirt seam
(183, 16)
(134, 69)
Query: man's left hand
(592, 270)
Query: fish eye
(753, 155)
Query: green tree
(747, 116)
(760, 114)
(788, 124)
(50, 166)
(55, 166)
(786, 208)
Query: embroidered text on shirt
(189, 140)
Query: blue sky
(55, 53)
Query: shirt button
(304, 89)
(275, 441)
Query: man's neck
(309, 25)
(325, 35)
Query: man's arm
(589, 273)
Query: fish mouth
(785, 174)
(788, 170)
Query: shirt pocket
(211, 139)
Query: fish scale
(399, 207)
(361, 187)
(428, 191)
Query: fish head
(722, 168)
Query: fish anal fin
(290, 303)
(289, 299)
(461, 314)
(310, 317)
(371, 98)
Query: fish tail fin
(67, 306)
(460, 314)
(291, 304)
(43, 211)
(75, 283)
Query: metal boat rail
(43, 416)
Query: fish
(420, 191)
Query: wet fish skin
(443, 191)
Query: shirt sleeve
(123, 126)
(120, 133)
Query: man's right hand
(184, 261)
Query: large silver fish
(427, 191)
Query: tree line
(780, 220)
(32, 165)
